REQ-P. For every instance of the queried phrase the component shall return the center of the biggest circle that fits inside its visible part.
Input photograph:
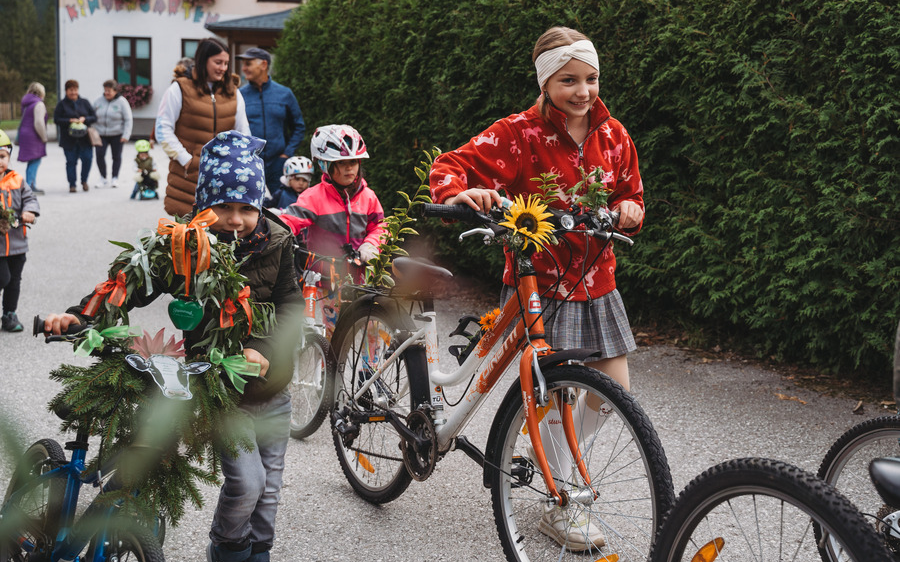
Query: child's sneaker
(10, 323)
(102, 183)
(114, 183)
(575, 531)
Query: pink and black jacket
(332, 219)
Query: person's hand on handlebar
(479, 199)
(630, 214)
(56, 324)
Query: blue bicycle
(38, 518)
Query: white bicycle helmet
(333, 143)
(296, 165)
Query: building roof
(268, 22)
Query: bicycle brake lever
(488, 233)
(623, 238)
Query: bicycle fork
(529, 370)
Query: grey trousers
(249, 497)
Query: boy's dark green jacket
(272, 278)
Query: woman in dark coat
(73, 115)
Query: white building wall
(87, 27)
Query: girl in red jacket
(566, 131)
(340, 210)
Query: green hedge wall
(767, 131)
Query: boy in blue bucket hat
(232, 184)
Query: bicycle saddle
(885, 474)
(418, 274)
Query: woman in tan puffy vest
(193, 109)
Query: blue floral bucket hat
(231, 171)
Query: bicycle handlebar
(599, 223)
(460, 212)
(73, 330)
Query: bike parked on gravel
(393, 420)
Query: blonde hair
(552, 38)
(37, 89)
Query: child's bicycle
(569, 451)
(846, 467)
(38, 517)
(760, 509)
(312, 382)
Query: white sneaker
(575, 531)
(102, 183)
(115, 182)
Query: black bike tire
(627, 408)
(132, 539)
(846, 446)
(414, 355)
(43, 455)
(765, 477)
(319, 343)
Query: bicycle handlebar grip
(38, 327)
(453, 212)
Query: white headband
(550, 61)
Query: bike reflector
(710, 551)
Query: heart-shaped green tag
(185, 314)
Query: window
(189, 47)
(131, 63)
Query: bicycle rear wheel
(31, 508)
(760, 509)
(311, 386)
(372, 460)
(846, 467)
(624, 459)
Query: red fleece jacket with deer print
(512, 151)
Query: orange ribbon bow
(181, 256)
(226, 315)
(116, 290)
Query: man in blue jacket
(273, 113)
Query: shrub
(767, 131)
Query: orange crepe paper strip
(181, 257)
(114, 288)
(226, 315)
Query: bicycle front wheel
(630, 483)
(311, 386)
(760, 509)
(370, 453)
(846, 467)
(31, 507)
(130, 543)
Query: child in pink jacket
(340, 210)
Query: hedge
(767, 131)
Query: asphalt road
(704, 411)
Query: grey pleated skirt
(600, 324)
